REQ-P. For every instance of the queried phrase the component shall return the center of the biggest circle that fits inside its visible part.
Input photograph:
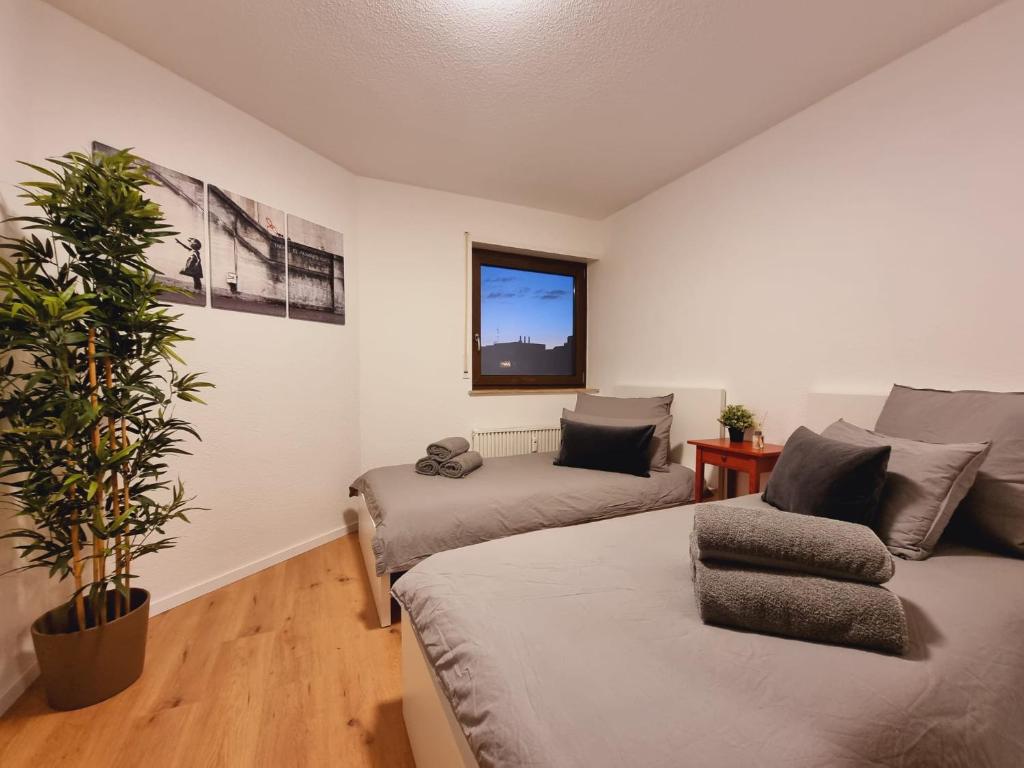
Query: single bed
(405, 517)
(583, 647)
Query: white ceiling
(581, 106)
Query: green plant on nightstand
(737, 419)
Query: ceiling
(579, 106)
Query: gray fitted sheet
(582, 647)
(417, 516)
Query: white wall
(281, 432)
(412, 298)
(876, 237)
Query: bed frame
(435, 735)
(695, 413)
(380, 584)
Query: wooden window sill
(531, 391)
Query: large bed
(412, 516)
(583, 647)
(405, 517)
(415, 516)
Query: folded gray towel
(461, 465)
(799, 605)
(448, 448)
(775, 539)
(428, 466)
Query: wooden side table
(733, 457)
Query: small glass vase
(758, 440)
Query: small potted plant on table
(737, 419)
(88, 376)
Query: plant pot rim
(37, 627)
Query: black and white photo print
(180, 259)
(247, 255)
(316, 272)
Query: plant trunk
(126, 558)
(98, 542)
(115, 496)
(76, 569)
(76, 554)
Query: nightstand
(733, 457)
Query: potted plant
(737, 419)
(87, 381)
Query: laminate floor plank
(283, 668)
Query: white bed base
(436, 739)
(380, 585)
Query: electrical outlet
(534, 444)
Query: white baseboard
(167, 602)
(18, 687)
(25, 679)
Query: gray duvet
(417, 516)
(582, 647)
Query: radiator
(515, 440)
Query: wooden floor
(284, 668)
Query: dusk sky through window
(515, 302)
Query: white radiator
(516, 440)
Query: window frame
(484, 256)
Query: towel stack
(795, 575)
(449, 457)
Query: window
(529, 321)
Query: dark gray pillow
(624, 407)
(828, 478)
(994, 507)
(925, 483)
(660, 445)
(611, 449)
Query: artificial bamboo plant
(88, 380)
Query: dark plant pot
(736, 434)
(80, 668)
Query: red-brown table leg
(698, 480)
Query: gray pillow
(994, 507)
(924, 485)
(660, 444)
(624, 407)
(828, 478)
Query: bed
(405, 517)
(582, 647)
